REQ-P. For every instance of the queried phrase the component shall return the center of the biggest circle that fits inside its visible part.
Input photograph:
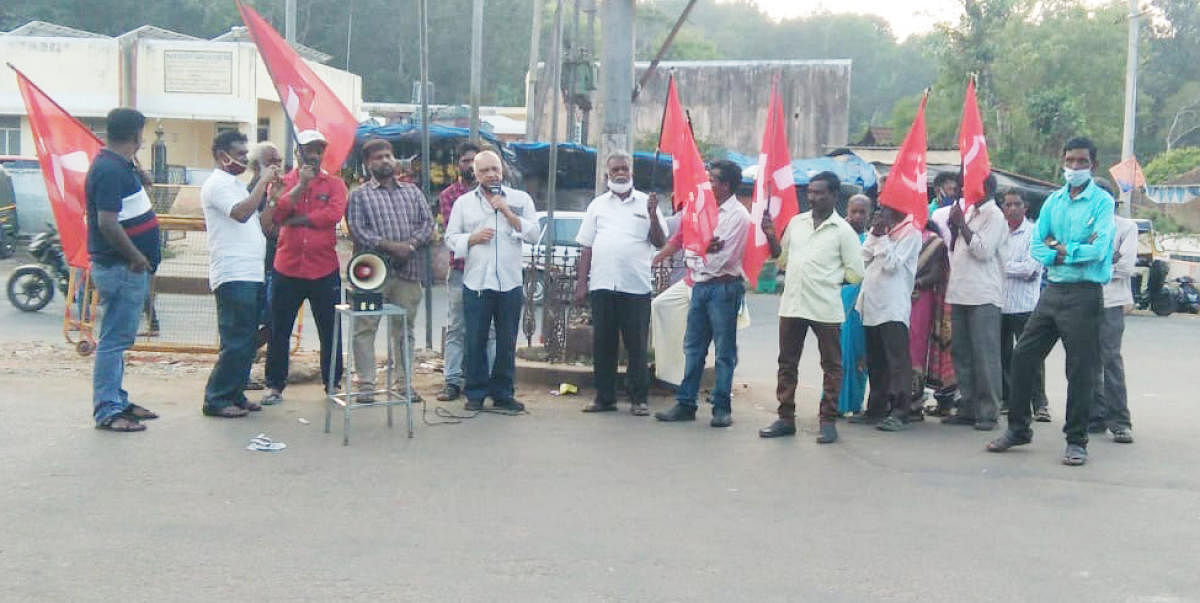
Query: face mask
(1077, 177)
(620, 188)
(233, 166)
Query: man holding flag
(716, 296)
(823, 251)
(975, 290)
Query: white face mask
(620, 188)
(1077, 177)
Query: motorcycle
(1156, 295)
(1187, 297)
(31, 286)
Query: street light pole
(289, 34)
(1131, 59)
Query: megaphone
(366, 272)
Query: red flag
(774, 188)
(690, 178)
(1128, 175)
(972, 146)
(906, 188)
(307, 100)
(65, 149)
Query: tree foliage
(1172, 164)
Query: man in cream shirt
(486, 228)
(819, 251)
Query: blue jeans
(454, 331)
(238, 304)
(481, 311)
(122, 293)
(712, 318)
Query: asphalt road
(561, 506)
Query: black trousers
(889, 369)
(287, 293)
(628, 316)
(1011, 327)
(1071, 312)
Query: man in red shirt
(306, 262)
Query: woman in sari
(929, 326)
(853, 337)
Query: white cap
(310, 136)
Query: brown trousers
(791, 343)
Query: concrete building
(192, 87)
(728, 103)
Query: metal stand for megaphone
(367, 273)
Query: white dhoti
(668, 324)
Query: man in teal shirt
(1073, 240)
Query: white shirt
(817, 261)
(618, 231)
(891, 269)
(1022, 273)
(733, 224)
(977, 269)
(1118, 292)
(496, 264)
(236, 250)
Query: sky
(905, 18)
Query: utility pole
(616, 81)
(1131, 60)
(425, 165)
(535, 99)
(289, 34)
(476, 68)
(552, 177)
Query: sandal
(250, 406)
(1006, 441)
(120, 423)
(272, 398)
(1075, 455)
(140, 413)
(227, 412)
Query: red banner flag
(690, 178)
(774, 187)
(906, 188)
(307, 100)
(972, 147)
(65, 149)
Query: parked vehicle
(31, 286)
(8, 231)
(566, 250)
(1187, 298)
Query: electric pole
(1131, 59)
(476, 68)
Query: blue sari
(854, 352)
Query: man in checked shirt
(392, 219)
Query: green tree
(1172, 164)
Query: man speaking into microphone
(486, 227)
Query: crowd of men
(967, 307)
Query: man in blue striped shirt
(1073, 240)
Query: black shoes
(509, 405)
(679, 412)
(449, 392)
(600, 407)
(780, 428)
(721, 418)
